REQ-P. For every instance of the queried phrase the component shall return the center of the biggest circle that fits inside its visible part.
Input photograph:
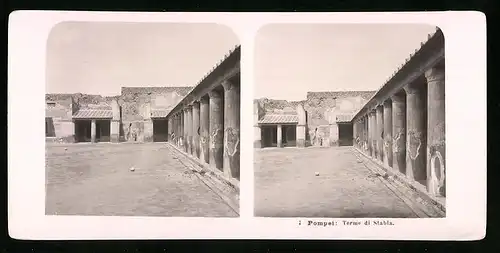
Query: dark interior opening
(269, 136)
(103, 130)
(49, 127)
(289, 137)
(160, 130)
(345, 134)
(82, 130)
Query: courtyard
(95, 179)
(287, 185)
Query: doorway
(345, 134)
(160, 130)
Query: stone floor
(286, 185)
(94, 179)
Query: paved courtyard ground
(286, 185)
(94, 179)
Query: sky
(292, 59)
(100, 58)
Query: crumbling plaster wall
(321, 111)
(136, 105)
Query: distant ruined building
(129, 117)
(320, 120)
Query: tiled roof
(344, 118)
(159, 113)
(93, 114)
(277, 119)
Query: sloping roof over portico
(279, 119)
(93, 114)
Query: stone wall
(321, 111)
(273, 106)
(58, 111)
(136, 104)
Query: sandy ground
(94, 179)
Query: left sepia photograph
(142, 119)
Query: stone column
(93, 129)
(436, 145)
(216, 130)
(333, 137)
(355, 125)
(231, 129)
(301, 126)
(185, 128)
(278, 136)
(416, 126)
(189, 129)
(365, 135)
(387, 133)
(148, 123)
(380, 133)
(204, 129)
(176, 128)
(257, 135)
(196, 129)
(372, 132)
(399, 133)
(170, 129)
(180, 132)
(115, 122)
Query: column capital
(214, 94)
(387, 102)
(414, 87)
(195, 103)
(228, 85)
(372, 111)
(204, 99)
(398, 98)
(435, 73)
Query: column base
(115, 138)
(257, 144)
(301, 143)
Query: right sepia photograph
(349, 121)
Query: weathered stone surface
(115, 131)
(379, 136)
(279, 136)
(93, 131)
(372, 132)
(196, 129)
(416, 132)
(185, 127)
(232, 129)
(399, 133)
(204, 129)
(388, 133)
(436, 142)
(148, 131)
(216, 130)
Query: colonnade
(208, 128)
(406, 131)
